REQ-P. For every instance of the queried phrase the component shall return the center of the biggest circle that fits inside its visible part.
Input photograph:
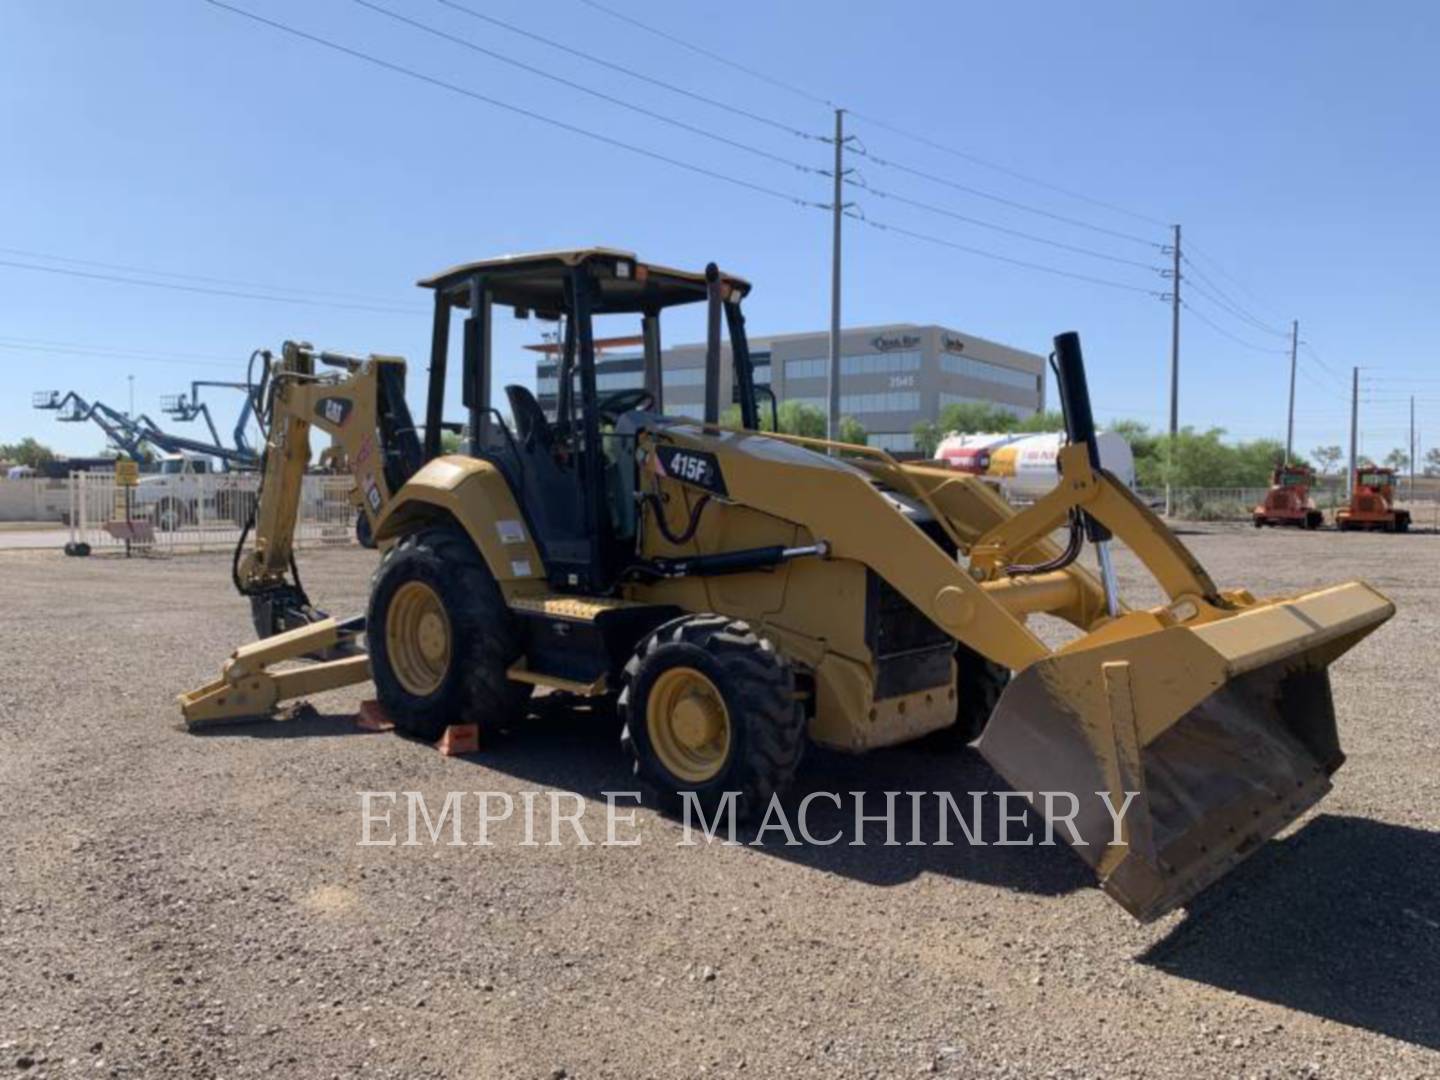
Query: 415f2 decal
(697, 467)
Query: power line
(378, 302)
(177, 287)
(529, 114)
(582, 88)
(1042, 268)
(1012, 173)
(1219, 269)
(736, 110)
(718, 58)
(1014, 204)
(1222, 299)
(820, 100)
(43, 345)
(1226, 333)
(931, 208)
(1314, 355)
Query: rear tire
(700, 658)
(444, 590)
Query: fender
(475, 494)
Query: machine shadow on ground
(565, 745)
(573, 748)
(1340, 920)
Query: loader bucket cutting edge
(1225, 733)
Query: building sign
(950, 343)
(882, 343)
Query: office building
(891, 377)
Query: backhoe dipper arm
(364, 410)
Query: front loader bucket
(1224, 732)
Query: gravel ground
(181, 905)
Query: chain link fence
(1238, 504)
(196, 513)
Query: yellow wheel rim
(688, 725)
(417, 638)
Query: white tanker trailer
(1024, 465)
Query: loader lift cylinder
(1080, 429)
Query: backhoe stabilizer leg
(247, 690)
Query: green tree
(852, 431)
(1198, 458)
(1398, 459)
(1147, 448)
(1042, 421)
(796, 418)
(1432, 461)
(972, 417)
(927, 435)
(28, 451)
(1327, 457)
(449, 442)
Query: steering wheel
(610, 407)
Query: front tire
(441, 637)
(709, 707)
(364, 533)
(978, 686)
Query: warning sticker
(511, 532)
(520, 567)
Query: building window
(985, 371)
(891, 441)
(547, 385)
(686, 376)
(812, 368)
(619, 380)
(887, 363)
(897, 401)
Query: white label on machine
(372, 494)
(511, 532)
(520, 568)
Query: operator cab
(574, 476)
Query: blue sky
(1295, 141)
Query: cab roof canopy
(536, 282)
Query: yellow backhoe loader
(741, 592)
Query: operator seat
(531, 425)
(548, 488)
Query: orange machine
(1288, 500)
(1372, 503)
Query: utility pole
(1174, 361)
(131, 414)
(1290, 421)
(1412, 447)
(1354, 428)
(832, 389)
